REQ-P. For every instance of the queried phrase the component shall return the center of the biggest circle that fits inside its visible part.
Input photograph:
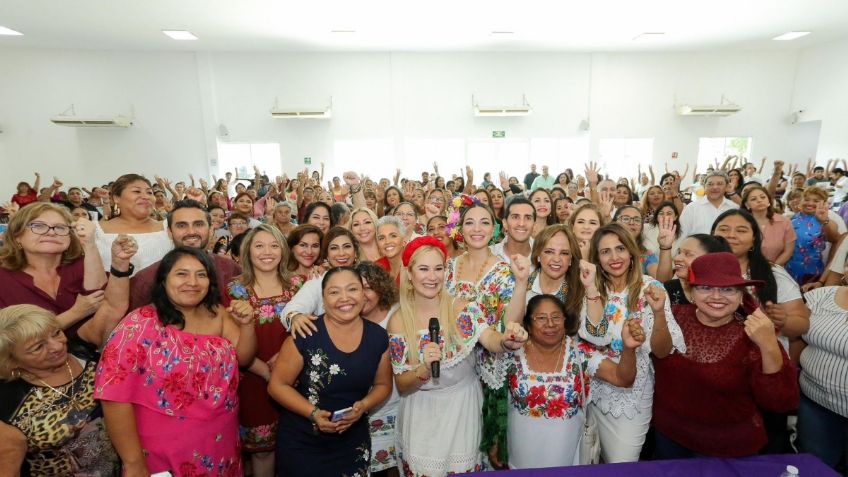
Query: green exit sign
(307, 160)
(498, 133)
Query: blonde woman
(363, 224)
(439, 423)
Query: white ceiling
(434, 25)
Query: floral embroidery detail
(265, 310)
(364, 459)
(320, 373)
(810, 242)
(548, 395)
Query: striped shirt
(824, 363)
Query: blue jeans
(822, 432)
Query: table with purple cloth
(758, 466)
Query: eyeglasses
(544, 319)
(40, 228)
(406, 214)
(708, 290)
(626, 220)
(238, 222)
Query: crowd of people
(422, 326)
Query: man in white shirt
(699, 215)
(519, 217)
(840, 186)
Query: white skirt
(439, 426)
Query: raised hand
(656, 298)
(241, 311)
(84, 230)
(760, 329)
(56, 183)
(821, 212)
(11, 208)
(351, 178)
(504, 180)
(776, 313)
(592, 173)
(632, 334)
(514, 336)
(520, 266)
(588, 272)
(124, 248)
(606, 204)
(666, 230)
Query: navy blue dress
(332, 380)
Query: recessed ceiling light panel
(9, 32)
(792, 35)
(649, 35)
(343, 30)
(180, 34)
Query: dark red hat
(419, 242)
(720, 269)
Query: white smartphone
(341, 414)
(162, 474)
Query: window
(244, 157)
(714, 150)
(620, 157)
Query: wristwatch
(120, 274)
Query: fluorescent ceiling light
(502, 32)
(342, 30)
(180, 34)
(649, 35)
(791, 35)
(9, 31)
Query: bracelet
(312, 414)
(422, 379)
(665, 248)
(593, 298)
(355, 189)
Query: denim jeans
(822, 432)
(665, 449)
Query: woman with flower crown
(439, 421)
(268, 285)
(498, 289)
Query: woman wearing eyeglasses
(51, 261)
(548, 383)
(708, 398)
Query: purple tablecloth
(759, 466)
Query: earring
(16, 373)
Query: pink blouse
(776, 235)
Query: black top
(675, 292)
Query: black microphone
(434, 338)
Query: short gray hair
(392, 220)
(717, 173)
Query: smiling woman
(133, 198)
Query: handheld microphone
(434, 338)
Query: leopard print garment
(65, 439)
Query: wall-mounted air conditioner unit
(725, 108)
(302, 113)
(92, 122)
(502, 111)
(69, 118)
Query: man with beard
(189, 225)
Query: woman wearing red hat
(439, 422)
(707, 399)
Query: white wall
(821, 90)
(162, 88)
(181, 98)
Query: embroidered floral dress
(183, 390)
(546, 408)
(606, 336)
(439, 425)
(258, 414)
(492, 294)
(806, 260)
(332, 380)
